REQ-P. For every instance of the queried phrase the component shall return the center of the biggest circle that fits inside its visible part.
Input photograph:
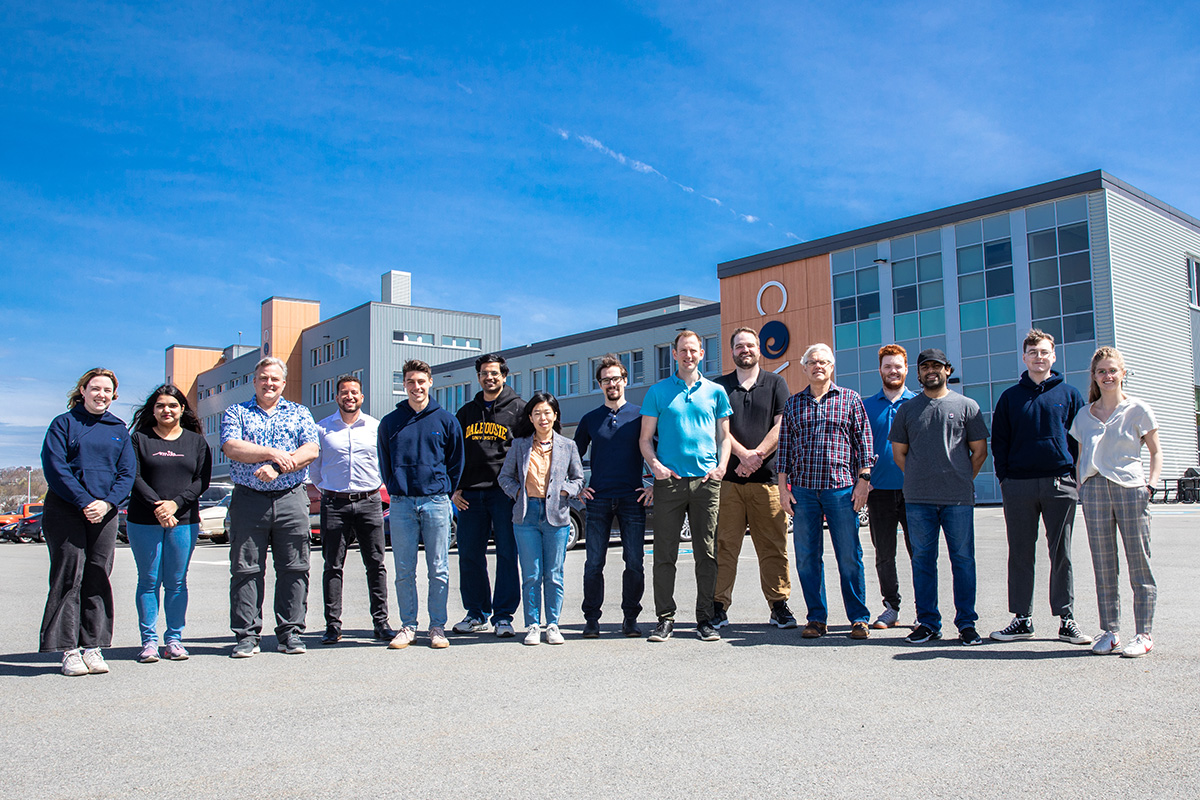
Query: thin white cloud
(464, 88)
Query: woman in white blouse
(1114, 491)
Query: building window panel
(1043, 245)
(997, 227)
(869, 333)
(1052, 326)
(970, 287)
(845, 336)
(843, 285)
(1075, 267)
(868, 306)
(1038, 217)
(637, 371)
(929, 242)
(1073, 238)
(968, 233)
(844, 310)
(908, 326)
(1078, 327)
(904, 299)
(999, 282)
(903, 247)
(929, 268)
(1043, 273)
(712, 355)
(904, 272)
(1077, 298)
(970, 259)
(1045, 303)
(972, 316)
(933, 322)
(1002, 310)
(931, 294)
(662, 354)
(868, 280)
(842, 262)
(997, 254)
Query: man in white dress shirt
(347, 473)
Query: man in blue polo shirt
(615, 489)
(885, 503)
(690, 414)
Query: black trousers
(885, 508)
(1054, 501)
(79, 605)
(342, 522)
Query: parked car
(215, 493)
(212, 521)
(30, 529)
(579, 518)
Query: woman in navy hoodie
(89, 465)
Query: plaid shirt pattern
(825, 444)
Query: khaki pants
(755, 505)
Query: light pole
(28, 473)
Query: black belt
(276, 493)
(352, 496)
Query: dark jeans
(490, 514)
(1054, 500)
(258, 521)
(698, 500)
(631, 518)
(342, 522)
(885, 508)
(958, 525)
(79, 605)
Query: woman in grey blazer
(541, 472)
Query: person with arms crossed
(421, 453)
(750, 490)
(347, 472)
(485, 511)
(690, 415)
(939, 440)
(270, 441)
(615, 489)
(826, 453)
(1035, 464)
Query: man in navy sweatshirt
(1035, 464)
(421, 459)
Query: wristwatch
(865, 476)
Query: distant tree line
(12, 488)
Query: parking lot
(763, 713)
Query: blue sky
(166, 167)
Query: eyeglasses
(818, 362)
(611, 381)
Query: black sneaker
(292, 644)
(591, 629)
(1019, 628)
(706, 632)
(719, 618)
(969, 637)
(922, 634)
(663, 630)
(383, 633)
(781, 615)
(630, 628)
(1069, 631)
(245, 648)
(332, 635)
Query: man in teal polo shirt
(690, 414)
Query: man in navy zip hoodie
(484, 509)
(421, 460)
(1035, 464)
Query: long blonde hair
(1101, 354)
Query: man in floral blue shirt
(270, 442)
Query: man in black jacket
(484, 510)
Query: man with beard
(939, 440)
(347, 473)
(749, 490)
(886, 500)
(614, 490)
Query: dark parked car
(30, 529)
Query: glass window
(972, 315)
(930, 294)
(929, 242)
(904, 272)
(999, 281)
(1004, 366)
(1003, 337)
(842, 262)
(1042, 245)
(996, 227)
(1038, 217)
(868, 305)
(865, 256)
(904, 300)
(539, 377)
(903, 248)
(1075, 267)
(637, 373)
(975, 369)
(1002, 310)
(1043, 273)
(933, 322)
(1078, 327)
(907, 326)
(845, 336)
(1073, 238)
(1044, 303)
(843, 285)
(844, 310)
(868, 280)
(970, 287)
(968, 233)
(974, 343)
(514, 380)
(397, 383)
(970, 259)
(929, 268)
(662, 354)
(980, 393)
(1073, 209)
(573, 385)
(869, 333)
(712, 351)
(998, 254)
(1077, 298)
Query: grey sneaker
(504, 629)
(888, 618)
(471, 624)
(148, 654)
(437, 638)
(245, 648)
(94, 661)
(72, 664)
(175, 652)
(292, 645)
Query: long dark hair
(143, 418)
(524, 426)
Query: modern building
(371, 342)
(566, 366)
(1089, 258)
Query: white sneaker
(1140, 646)
(553, 636)
(402, 639)
(470, 624)
(94, 661)
(534, 635)
(888, 618)
(72, 664)
(1107, 644)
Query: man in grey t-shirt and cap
(939, 440)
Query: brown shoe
(859, 630)
(813, 630)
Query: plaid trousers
(1108, 506)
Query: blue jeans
(958, 523)
(490, 514)
(542, 548)
(631, 517)
(813, 505)
(412, 520)
(162, 556)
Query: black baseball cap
(933, 354)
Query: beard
(892, 381)
(745, 360)
(934, 381)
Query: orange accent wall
(283, 321)
(184, 364)
(808, 314)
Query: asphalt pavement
(762, 713)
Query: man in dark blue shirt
(615, 489)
